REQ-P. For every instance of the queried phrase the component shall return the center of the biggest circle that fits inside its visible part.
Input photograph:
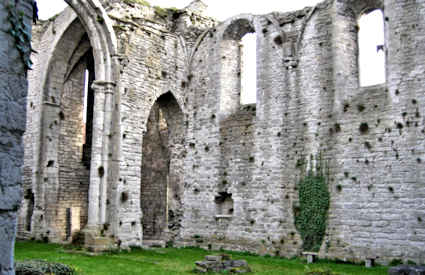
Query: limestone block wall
(73, 175)
(233, 169)
(154, 170)
(56, 181)
(252, 149)
(162, 170)
(154, 53)
(13, 92)
(309, 102)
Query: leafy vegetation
(312, 212)
(39, 267)
(167, 261)
(20, 33)
(141, 2)
(167, 12)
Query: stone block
(407, 270)
(417, 270)
(213, 258)
(311, 256)
(369, 262)
(199, 269)
(239, 263)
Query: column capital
(103, 86)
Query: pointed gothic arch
(83, 19)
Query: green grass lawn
(165, 261)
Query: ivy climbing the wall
(311, 213)
(20, 33)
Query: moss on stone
(166, 12)
(141, 2)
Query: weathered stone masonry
(13, 92)
(176, 157)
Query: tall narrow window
(371, 48)
(86, 91)
(238, 66)
(249, 69)
(88, 100)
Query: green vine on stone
(21, 34)
(312, 212)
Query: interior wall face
(155, 58)
(310, 103)
(13, 95)
(161, 183)
(73, 174)
(55, 201)
(233, 170)
(154, 179)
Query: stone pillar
(96, 168)
(108, 91)
(102, 115)
(13, 92)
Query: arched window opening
(161, 188)
(371, 48)
(238, 66)
(249, 69)
(86, 90)
(88, 99)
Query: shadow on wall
(162, 170)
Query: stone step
(25, 235)
(153, 243)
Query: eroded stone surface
(13, 91)
(406, 269)
(229, 179)
(220, 264)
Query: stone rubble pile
(407, 270)
(222, 263)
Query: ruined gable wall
(252, 153)
(378, 210)
(202, 166)
(310, 103)
(154, 56)
(154, 52)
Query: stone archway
(61, 187)
(103, 40)
(97, 25)
(162, 171)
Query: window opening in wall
(161, 166)
(371, 48)
(68, 223)
(249, 69)
(29, 199)
(224, 203)
(86, 91)
(88, 99)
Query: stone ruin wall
(13, 92)
(237, 166)
(52, 163)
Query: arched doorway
(162, 170)
(80, 52)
